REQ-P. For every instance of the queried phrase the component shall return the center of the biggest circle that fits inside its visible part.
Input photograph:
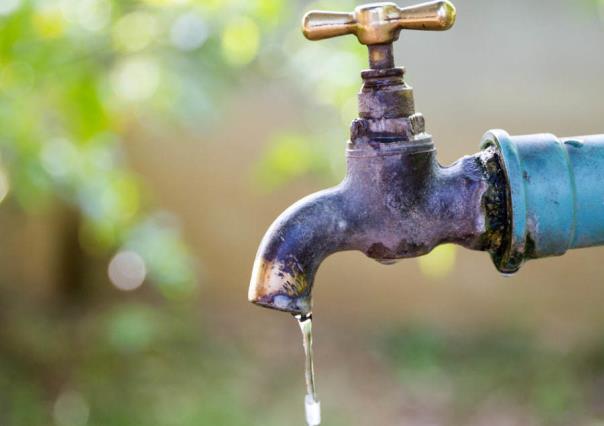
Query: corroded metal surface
(396, 202)
(385, 95)
(555, 195)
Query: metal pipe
(555, 191)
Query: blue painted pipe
(555, 195)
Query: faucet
(518, 198)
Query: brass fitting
(379, 23)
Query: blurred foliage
(75, 75)
(152, 364)
(133, 364)
(555, 385)
(289, 156)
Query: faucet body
(395, 202)
(519, 198)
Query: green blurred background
(147, 145)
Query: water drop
(312, 405)
(313, 411)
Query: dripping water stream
(311, 403)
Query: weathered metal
(556, 195)
(395, 202)
(519, 198)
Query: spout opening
(283, 303)
(280, 286)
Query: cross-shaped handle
(379, 23)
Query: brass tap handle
(379, 23)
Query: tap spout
(294, 247)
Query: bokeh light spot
(135, 31)
(289, 156)
(48, 21)
(439, 263)
(4, 185)
(136, 79)
(59, 157)
(9, 6)
(188, 32)
(71, 409)
(240, 41)
(92, 15)
(127, 270)
(270, 10)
